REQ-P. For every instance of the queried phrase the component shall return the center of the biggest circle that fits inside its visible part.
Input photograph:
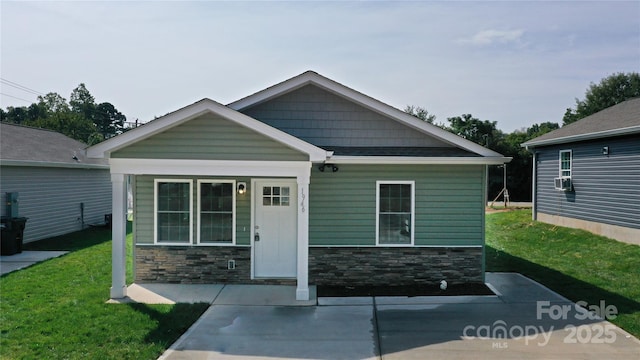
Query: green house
(305, 182)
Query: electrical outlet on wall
(231, 265)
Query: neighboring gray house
(58, 187)
(305, 182)
(587, 174)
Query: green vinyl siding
(143, 208)
(449, 204)
(210, 137)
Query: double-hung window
(173, 202)
(565, 163)
(395, 212)
(216, 212)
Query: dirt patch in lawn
(410, 290)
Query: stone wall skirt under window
(340, 266)
(368, 266)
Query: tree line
(81, 118)
(85, 120)
(609, 91)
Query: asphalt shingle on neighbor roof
(23, 143)
(400, 151)
(621, 116)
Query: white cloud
(488, 37)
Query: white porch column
(119, 236)
(302, 290)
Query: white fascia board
(581, 137)
(366, 101)
(49, 164)
(405, 160)
(173, 167)
(187, 113)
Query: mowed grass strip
(56, 309)
(575, 263)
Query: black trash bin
(12, 235)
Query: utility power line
(15, 97)
(20, 87)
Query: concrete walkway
(524, 321)
(24, 259)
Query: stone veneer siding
(375, 266)
(197, 265)
(342, 266)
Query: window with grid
(173, 211)
(395, 213)
(565, 163)
(275, 196)
(216, 203)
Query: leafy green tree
(81, 118)
(539, 129)
(36, 111)
(481, 132)
(67, 123)
(108, 120)
(420, 112)
(15, 115)
(82, 102)
(611, 90)
(53, 102)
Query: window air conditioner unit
(562, 183)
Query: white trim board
(408, 160)
(173, 167)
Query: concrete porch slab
(217, 294)
(262, 295)
(170, 293)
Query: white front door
(275, 220)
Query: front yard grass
(575, 263)
(56, 309)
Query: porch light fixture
(242, 188)
(331, 166)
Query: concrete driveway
(524, 321)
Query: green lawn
(57, 310)
(575, 263)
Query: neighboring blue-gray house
(58, 188)
(305, 182)
(587, 174)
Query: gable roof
(311, 77)
(620, 119)
(29, 146)
(104, 149)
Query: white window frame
(413, 210)
(233, 209)
(560, 170)
(155, 211)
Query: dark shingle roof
(26, 144)
(400, 151)
(620, 119)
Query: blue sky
(517, 63)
